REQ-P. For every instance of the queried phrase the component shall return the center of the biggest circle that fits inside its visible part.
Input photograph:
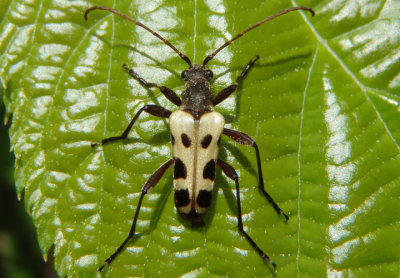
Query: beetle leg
(154, 110)
(221, 96)
(171, 95)
(246, 140)
(231, 173)
(150, 183)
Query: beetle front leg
(221, 96)
(246, 140)
(168, 93)
(231, 173)
(154, 110)
(151, 182)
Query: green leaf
(322, 103)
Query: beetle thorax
(197, 96)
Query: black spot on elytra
(185, 140)
(204, 198)
(181, 197)
(179, 169)
(206, 141)
(172, 139)
(209, 170)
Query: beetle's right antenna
(184, 57)
(209, 57)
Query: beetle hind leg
(231, 173)
(150, 183)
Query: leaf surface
(322, 103)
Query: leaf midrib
(298, 159)
(363, 87)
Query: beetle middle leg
(150, 183)
(231, 173)
(221, 96)
(154, 110)
(246, 140)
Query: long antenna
(184, 57)
(209, 57)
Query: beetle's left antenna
(184, 57)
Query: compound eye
(183, 74)
(209, 74)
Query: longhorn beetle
(196, 131)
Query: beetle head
(197, 72)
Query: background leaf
(322, 103)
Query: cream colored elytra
(195, 157)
